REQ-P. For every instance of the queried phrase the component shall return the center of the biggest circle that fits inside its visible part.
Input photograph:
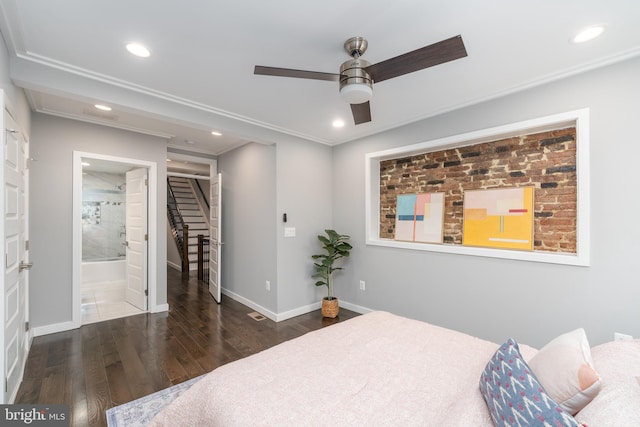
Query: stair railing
(179, 229)
(203, 258)
(204, 197)
(201, 198)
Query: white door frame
(78, 157)
(213, 164)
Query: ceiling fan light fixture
(355, 83)
(356, 93)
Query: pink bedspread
(376, 369)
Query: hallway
(108, 363)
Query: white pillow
(565, 369)
(618, 403)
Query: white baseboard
(354, 307)
(298, 311)
(279, 317)
(178, 267)
(174, 265)
(52, 329)
(265, 312)
(159, 308)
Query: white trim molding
(279, 317)
(53, 329)
(577, 118)
(260, 309)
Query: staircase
(192, 215)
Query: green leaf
(335, 246)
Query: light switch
(289, 232)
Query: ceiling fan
(357, 76)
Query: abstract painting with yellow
(499, 218)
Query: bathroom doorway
(111, 275)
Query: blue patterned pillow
(513, 394)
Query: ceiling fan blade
(301, 74)
(428, 56)
(361, 112)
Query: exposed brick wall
(545, 160)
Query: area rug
(139, 412)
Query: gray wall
(259, 184)
(494, 298)
(53, 141)
(248, 223)
(305, 173)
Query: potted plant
(335, 247)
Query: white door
(215, 236)
(14, 318)
(136, 235)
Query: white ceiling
(69, 54)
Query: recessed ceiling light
(168, 160)
(216, 133)
(86, 164)
(338, 123)
(102, 107)
(588, 34)
(138, 50)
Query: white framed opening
(578, 118)
(152, 260)
(192, 167)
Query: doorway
(113, 212)
(111, 215)
(201, 169)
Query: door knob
(25, 266)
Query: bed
(386, 370)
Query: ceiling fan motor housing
(356, 86)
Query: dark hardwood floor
(109, 363)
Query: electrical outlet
(621, 337)
(362, 285)
(268, 285)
